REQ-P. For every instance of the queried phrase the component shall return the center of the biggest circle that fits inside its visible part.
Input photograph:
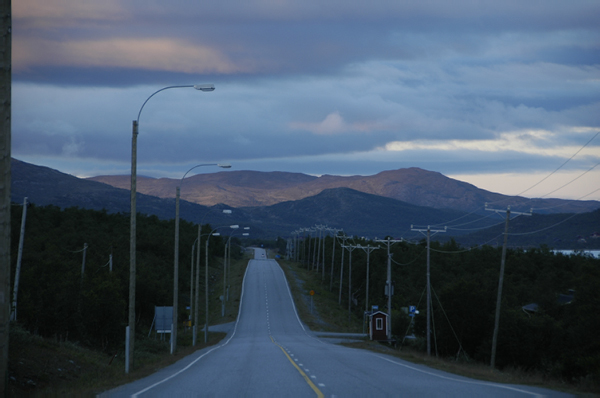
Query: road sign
(312, 293)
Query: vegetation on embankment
(555, 347)
(60, 310)
(69, 334)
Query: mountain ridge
(413, 185)
(358, 213)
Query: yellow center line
(306, 378)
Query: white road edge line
(463, 381)
(206, 353)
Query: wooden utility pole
(5, 109)
(500, 282)
(343, 239)
(350, 249)
(388, 283)
(429, 231)
(368, 250)
(335, 232)
(13, 313)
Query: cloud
(337, 87)
(528, 142)
(153, 54)
(54, 14)
(332, 124)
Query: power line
(561, 166)
(567, 202)
(573, 180)
(544, 229)
(552, 173)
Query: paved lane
(269, 353)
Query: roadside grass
(43, 367)
(46, 368)
(329, 315)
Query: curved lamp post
(197, 296)
(226, 263)
(176, 258)
(130, 338)
(206, 275)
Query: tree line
(59, 298)
(557, 336)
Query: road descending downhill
(270, 353)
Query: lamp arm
(153, 94)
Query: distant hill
(44, 186)
(357, 212)
(412, 185)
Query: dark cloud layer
(341, 87)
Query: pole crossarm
(511, 212)
(428, 229)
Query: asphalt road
(270, 353)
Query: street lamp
(206, 275)
(226, 262)
(130, 331)
(197, 297)
(176, 258)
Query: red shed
(378, 325)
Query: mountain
(412, 185)
(357, 212)
(44, 186)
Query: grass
(46, 368)
(329, 315)
(41, 367)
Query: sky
(501, 94)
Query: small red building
(378, 322)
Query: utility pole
(335, 232)
(5, 138)
(308, 263)
(13, 314)
(315, 259)
(389, 242)
(85, 246)
(343, 239)
(320, 228)
(501, 281)
(350, 249)
(323, 257)
(368, 250)
(197, 287)
(429, 231)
